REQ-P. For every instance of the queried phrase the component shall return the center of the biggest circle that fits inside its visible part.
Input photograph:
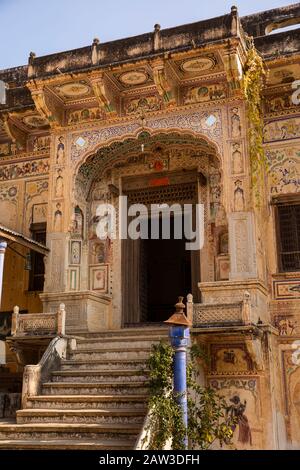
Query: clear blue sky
(48, 26)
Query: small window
(37, 273)
(289, 237)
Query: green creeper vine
(253, 86)
(207, 420)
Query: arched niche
(172, 162)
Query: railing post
(15, 321)
(61, 320)
(180, 334)
(190, 308)
(246, 309)
(31, 383)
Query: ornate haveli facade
(162, 118)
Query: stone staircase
(97, 400)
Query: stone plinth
(228, 292)
(85, 311)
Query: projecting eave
(12, 236)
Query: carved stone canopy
(137, 150)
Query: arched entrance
(145, 276)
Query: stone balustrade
(38, 324)
(222, 314)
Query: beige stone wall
(23, 200)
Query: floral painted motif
(21, 170)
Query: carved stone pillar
(56, 263)
(242, 246)
(58, 216)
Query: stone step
(42, 431)
(104, 364)
(100, 416)
(94, 388)
(117, 342)
(67, 444)
(154, 332)
(87, 402)
(98, 376)
(112, 353)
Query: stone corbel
(18, 351)
(101, 93)
(38, 95)
(4, 119)
(255, 350)
(162, 82)
(16, 135)
(234, 70)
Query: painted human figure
(237, 160)
(239, 201)
(60, 155)
(235, 123)
(58, 219)
(75, 252)
(35, 145)
(100, 252)
(236, 413)
(59, 186)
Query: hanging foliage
(253, 85)
(207, 418)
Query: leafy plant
(253, 84)
(207, 419)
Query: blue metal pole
(179, 339)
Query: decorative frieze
(24, 169)
(207, 123)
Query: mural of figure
(57, 218)
(35, 145)
(237, 160)
(236, 411)
(59, 185)
(99, 253)
(78, 221)
(239, 201)
(75, 252)
(235, 123)
(13, 148)
(223, 243)
(60, 154)
(221, 218)
(285, 325)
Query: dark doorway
(155, 272)
(165, 273)
(37, 273)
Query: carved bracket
(38, 94)
(255, 350)
(234, 70)
(162, 82)
(102, 93)
(16, 135)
